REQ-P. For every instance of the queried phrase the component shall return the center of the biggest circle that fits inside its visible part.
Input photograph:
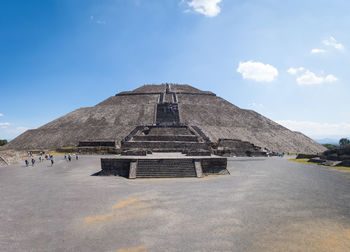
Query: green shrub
(3, 142)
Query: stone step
(165, 168)
(169, 131)
(164, 172)
(185, 138)
(163, 176)
(164, 145)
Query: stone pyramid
(114, 118)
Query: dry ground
(266, 204)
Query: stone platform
(163, 165)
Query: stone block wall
(116, 167)
(214, 166)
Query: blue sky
(288, 60)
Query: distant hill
(333, 140)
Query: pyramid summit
(116, 120)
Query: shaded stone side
(96, 143)
(214, 166)
(186, 138)
(116, 167)
(235, 147)
(220, 119)
(339, 156)
(152, 145)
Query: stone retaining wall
(116, 167)
(214, 166)
(121, 167)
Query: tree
(3, 142)
(344, 141)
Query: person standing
(26, 161)
(33, 161)
(51, 159)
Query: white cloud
(1, 114)
(331, 78)
(97, 21)
(310, 78)
(257, 71)
(306, 77)
(317, 129)
(317, 50)
(294, 71)
(5, 124)
(333, 43)
(209, 8)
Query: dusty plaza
(265, 204)
(171, 168)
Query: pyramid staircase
(166, 139)
(165, 168)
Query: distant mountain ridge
(334, 141)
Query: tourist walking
(26, 161)
(33, 161)
(51, 159)
(76, 157)
(69, 158)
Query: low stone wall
(12, 157)
(235, 147)
(339, 156)
(169, 131)
(121, 167)
(164, 145)
(188, 138)
(197, 152)
(304, 156)
(341, 153)
(214, 166)
(95, 150)
(134, 153)
(96, 143)
(116, 167)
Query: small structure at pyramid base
(164, 150)
(163, 165)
